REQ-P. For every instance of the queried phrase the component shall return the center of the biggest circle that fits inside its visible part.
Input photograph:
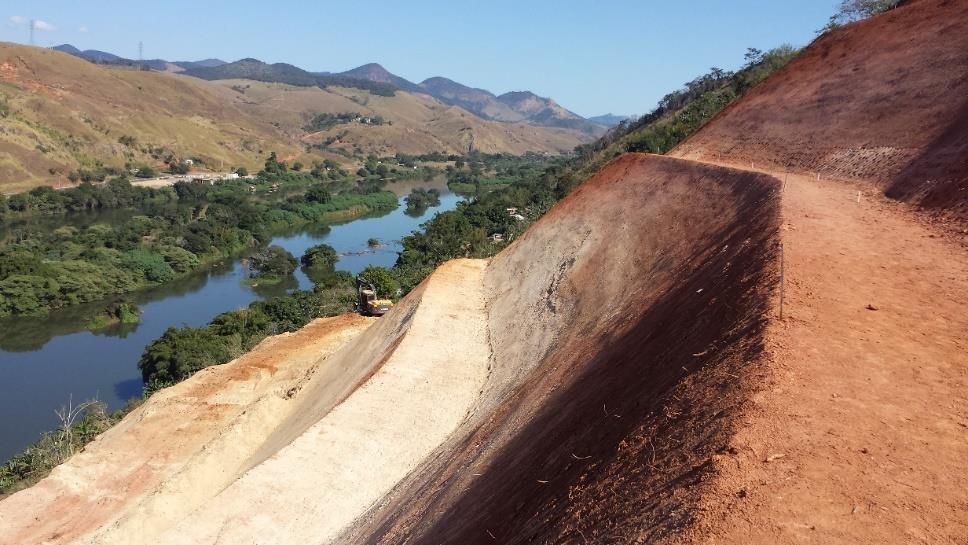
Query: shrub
(382, 279)
(148, 264)
(320, 256)
(274, 261)
(180, 352)
(318, 193)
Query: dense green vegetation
(116, 193)
(682, 112)
(486, 172)
(182, 229)
(286, 73)
(271, 265)
(116, 313)
(420, 200)
(321, 122)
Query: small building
(189, 162)
(497, 237)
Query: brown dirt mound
(620, 325)
(883, 100)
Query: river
(45, 362)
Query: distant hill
(546, 112)
(254, 69)
(481, 102)
(205, 63)
(608, 120)
(376, 73)
(522, 106)
(103, 57)
(510, 107)
(62, 113)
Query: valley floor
(860, 434)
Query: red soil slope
(627, 312)
(883, 100)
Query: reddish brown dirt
(652, 280)
(860, 434)
(884, 99)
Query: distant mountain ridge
(257, 70)
(609, 120)
(512, 107)
(103, 57)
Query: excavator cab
(369, 302)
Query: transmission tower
(141, 56)
(32, 25)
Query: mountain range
(61, 113)
(511, 107)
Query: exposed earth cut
(717, 347)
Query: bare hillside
(413, 123)
(62, 113)
(883, 100)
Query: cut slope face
(192, 439)
(313, 438)
(618, 325)
(883, 100)
(536, 383)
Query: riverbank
(54, 357)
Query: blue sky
(592, 57)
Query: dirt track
(864, 415)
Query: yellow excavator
(369, 302)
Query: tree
(320, 256)
(242, 172)
(318, 193)
(274, 166)
(150, 265)
(297, 166)
(179, 167)
(382, 279)
(274, 260)
(752, 56)
(855, 10)
(180, 352)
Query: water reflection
(44, 361)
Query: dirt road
(861, 433)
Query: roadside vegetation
(682, 112)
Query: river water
(45, 362)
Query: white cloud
(18, 20)
(82, 29)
